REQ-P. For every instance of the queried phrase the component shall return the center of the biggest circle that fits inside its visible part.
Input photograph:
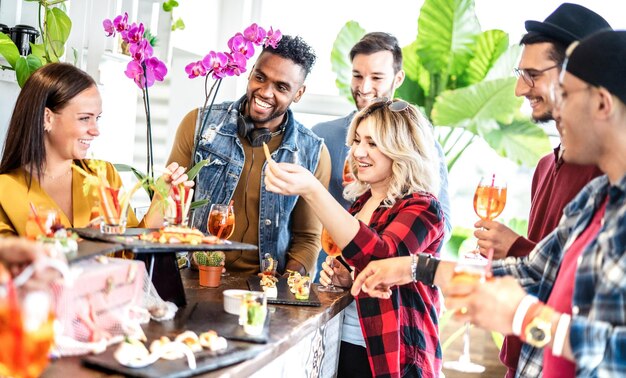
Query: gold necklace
(52, 178)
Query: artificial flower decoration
(232, 63)
(144, 68)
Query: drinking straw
(223, 225)
(15, 321)
(488, 272)
(37, 219)
(489, 199)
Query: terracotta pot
(210, 276)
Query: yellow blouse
(15, 199)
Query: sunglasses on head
(380, 102)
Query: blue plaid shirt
(598, 328)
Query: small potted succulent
(210, 267)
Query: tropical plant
(461, 78)
(54, 30)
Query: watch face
(537, 334)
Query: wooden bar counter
(303, 341)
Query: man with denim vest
(231, 138)
(376, 72)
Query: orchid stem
(206, 110)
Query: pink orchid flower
(140, 51)
(134, 34)
(155, 70)
(238, 43)
(236, 64)
(255, 34)
(273, 37)
(195, 69)
(216, 64)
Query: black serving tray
(203, 315)
(205, 361)
(284, 295)
(131, 242)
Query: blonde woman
(393, 157)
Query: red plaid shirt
(401, 333)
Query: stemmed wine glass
(221, 222)
(468, 270)
(489, 199)
(329, 246)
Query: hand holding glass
(221, 222)
(329, 246)
(468, 271)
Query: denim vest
(217, 181)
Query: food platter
(284, 295)
(205, 360)
(131, 241)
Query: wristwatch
(538, 332)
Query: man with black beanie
(555, 182)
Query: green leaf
(410, 91)
(38, 50)
(8, 50)
(58, 27)
(24, 67)
(198, 204)
(492, 100)
(169, 5)
(459, 235)
(504, 65)
(520, 226)
(127, 168)
(446, 31)
(341, 65)
(413, 67)
(521, 141)
(489, 47)
(193, 172)
(178, 24)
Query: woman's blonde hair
(403, 134)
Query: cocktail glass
(329, 246)
(470, 271)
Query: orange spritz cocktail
(25, 345)
(221, 222)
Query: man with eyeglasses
(555, 181)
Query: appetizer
(212, 341)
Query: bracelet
(414, 267)
(559, 335)
(425, 268)
(520, 313)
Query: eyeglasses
(530, 74)
(380, 102)
(558, 95)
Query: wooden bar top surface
(288, 325)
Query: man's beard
(545, 117)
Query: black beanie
(600, 60)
